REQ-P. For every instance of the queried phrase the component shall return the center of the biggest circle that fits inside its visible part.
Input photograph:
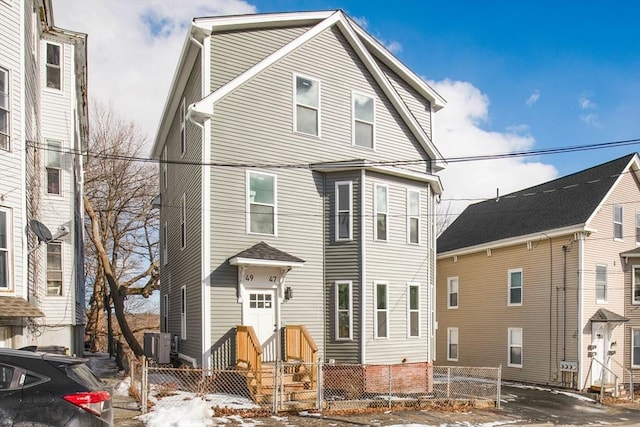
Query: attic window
(363, 120)
(53, 67)
(307, 108)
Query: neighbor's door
(260, 313)
(599, 339)
(5, 337)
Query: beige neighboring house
(543, 281)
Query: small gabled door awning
(18, 307)
(606, 316)
(264, 255)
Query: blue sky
(517, 75)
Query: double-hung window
(635, 289)
(54, 269)
(601, 283)
(183, 221)
(413, 216)
(183, 127)
(617, 222)
(382, 310)
(54, 167)
(344, 211)
(344, 311)
(363, 120)
(515, 286)
(381, 203)
(165, 313)
(165, 243)
(165, 170)
(515, 347)
(183, 312)
(307, 108)
(635, 347)
(4, 110)
(637, 228)
(452, 344)
(5, 254)
(261, 201)
(452, 292)
(413, 309)
(53, 66)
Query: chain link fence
(320, 387)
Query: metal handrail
(615, 381)
(630, 372)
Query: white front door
(600, 343)
(260, 313)
(5, 337)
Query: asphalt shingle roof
(604, 315)
(563, 202)
(18, 307)
(262, 251)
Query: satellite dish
(41, 230)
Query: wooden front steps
(295, 390)
(609, 389)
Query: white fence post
(499, 387)
(144, 383)
(319, 386)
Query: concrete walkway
(125, 407)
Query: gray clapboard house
(297, 191)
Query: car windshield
(80, 373)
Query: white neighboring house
(43, 136)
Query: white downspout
(581, 366)
(363, 269)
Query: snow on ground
(551, 390)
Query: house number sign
(264, 277)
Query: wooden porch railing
(300, 346)
(249, 353)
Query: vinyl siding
(342, 263)
(235, 52)
(184, 266)
(409, 263)
(483, 315)
(601, 248)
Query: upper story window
(413, 216)
(54, 268)
(452, 344)
(635, 289)
(381, 204)
(165, 313)
(183, 127)
(165, 171)
(261, 202)
(4, 110)
(53, 66)
(307, 108)
(382, 310)
(344, 311)
(515, 287)
(515, 347)
(54, 167)
(601, 283)
(344, 211)
(637, 228)
(363, 120)
(183, 312)
(183, 221)
(617, 222)
(5, 249)
(452, 292)
(165, 243)
(413, 309)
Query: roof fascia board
(204, 107)
(395, 99)
(516, 240)
(263, 262)
(269, 20)
(397, 66)
(180, 77)
(633, 162)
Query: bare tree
(122, 226)
(444, 217)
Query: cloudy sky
(523, 75)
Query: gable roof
(264, 254)
(560, 204)
(366, 47)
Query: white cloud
(134, 48)
(393, 46)
(458, 132)
(590, 119)
(533, 98)
(361, 20)
(586, 103)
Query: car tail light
(91, 401)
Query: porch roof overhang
(262, 254)
(18, 307)
(606, 316)
(633, 253)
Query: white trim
(165, 243)
(355, 119)
(45, 85)
(316, 108)
(248, 174)
(363, 269)
(9, 232)
(510, 344)
(410, 310)
(385, 212)
(183, 312)
(375, 309)
(264, 262)
(510, 272)
(336, 216)
(7, 76)
(337, 284)
(450, 281)
(634, 365)
(54, 146)
(581, 366)
(635, 285)
(183, 127)
(183, 221)
(61, 292)
(449, 343)
(606, 284)
(266, 20)
(417, 217)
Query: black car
(41, 389)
